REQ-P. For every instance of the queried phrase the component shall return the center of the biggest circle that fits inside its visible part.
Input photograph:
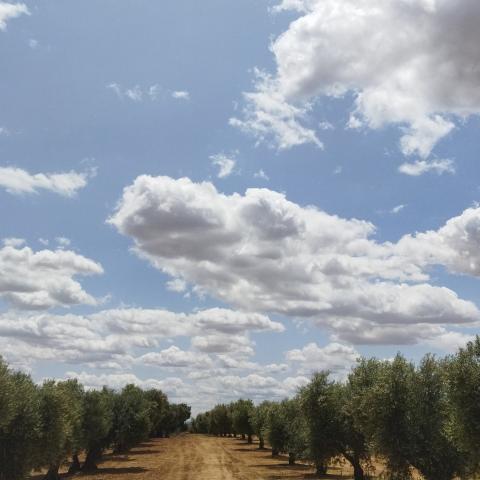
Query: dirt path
(200, 457)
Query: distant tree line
(43, 427)
(423, 417)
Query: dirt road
(199, 457)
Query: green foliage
(258, 420)
(318, 404)
(432, 449)
(97, 421)
(463, 380)
(276, 429)
(19, 432)
(242, 412)
(131, 418)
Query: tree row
(423, 418)
(43, 427)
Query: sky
(219, 198)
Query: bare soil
(201, 457)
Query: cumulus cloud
(18, 181)
(11, 10)
(225, 164)
(420, 167)
(175, 357)
(409, 73)
(261, 252)
(269, 116)
(111, 338)
(43, 279)
(334, 357)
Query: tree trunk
(52, 473)
(91, 460)
(75, 465)
(274, 452)
(291, 458)
(321, 469)
(358, 473)
(249, 438)
(243, 436)
(261, 443)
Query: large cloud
(261, 252)
(112, 338)
(44, 279)
(413, 63)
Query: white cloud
(181, 95)
(269, 117)
(135, 93)
(138, 94)
(18, 181)
(11, 10)
(260, 252)
(43, 279)
(177, 285)
(13, 242)
(175, 357)
(225, 164)
(334, 357)
(261, 174)
(397, 209)
(425, 166)
(409, 73)
(113, 338)
(63, 241)
(33, 44)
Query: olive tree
(432, 448)
(97, 418)
(258, 420)
(317, 400)
(463, 381)
(131, 418)
(242, 411)
(19, 427)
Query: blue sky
(197, 286)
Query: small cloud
(261, 174)
(134, 93)
(33, 44)
(225, 163)
(397, 209)
(11, 10)
(17, 181)
(181, 94)
(14, 242)
(326, 126)
(63, 242)
(154, 91)
(424, 166)
(4, 132)
(176, 285)
(354, 123)
(338, 170)
(43, 241)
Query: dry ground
(200, 457)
